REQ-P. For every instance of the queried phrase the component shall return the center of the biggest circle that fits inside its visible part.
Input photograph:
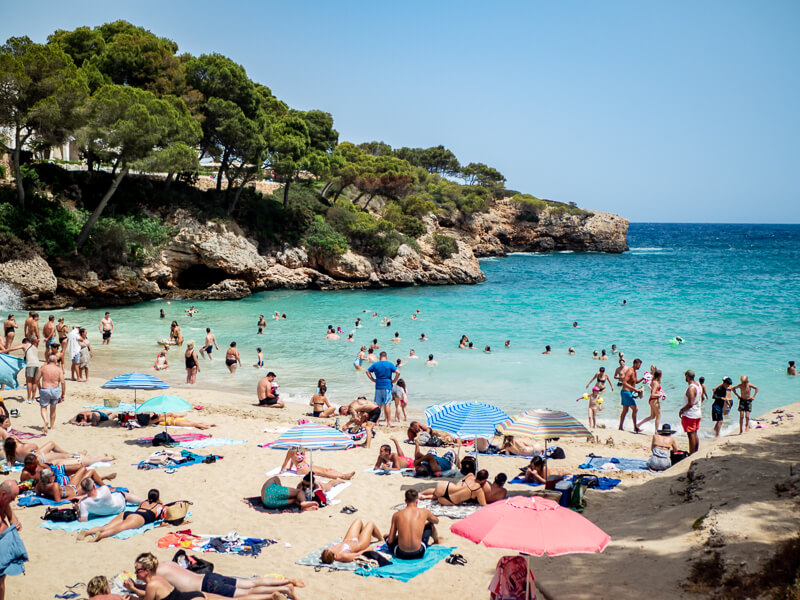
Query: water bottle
(336, 424)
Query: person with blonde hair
(746, 393)
(98, 589)
(356, 541)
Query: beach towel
(34, 500)
(255, 502)
(405, 570)
(193, 459)
(388, 471)
(600, 463)
(13, 555)
(314, 559)
(604, 483)
(73, 526)
(210, 442)
(178, 437)
(123, 407)
(452, 512)
(444, 475)
(24, 435)
(277, 471)
(230, 543)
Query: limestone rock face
(32, 276)
(214, 260)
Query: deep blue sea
(731, 291)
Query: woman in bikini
(449, 493)
(518, 447)
(360, 358)
(55, 485)
(319, 403)
(356, 541)
(297, 462)
(400, 397)
(656, 396)
(661, 449)
(149, 511)
(48, 453)
(192, 363)
(176, 420)
(161, 363)
(175, 335)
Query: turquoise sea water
(731, 291)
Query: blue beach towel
(123, 407)
(194, 459)
(623, 464)
(13, 555)
(73, 526)
(405, 570)
(30, 498)
(604, 483)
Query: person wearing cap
(662, 446)
(722, 401)
(595, 404)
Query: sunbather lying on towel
(275, 495)
(324, 486)
(48, 453)
(185, 581)
(176, 420)
(296, 460)
(415, 428)
(448, 493)
(92, 417)
(393, 461)
(149, 511)
(56, 485)
(512, 445)
(536, 470)
(356, 541)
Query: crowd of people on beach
(55, 473)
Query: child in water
(259, 359)
(595, 404)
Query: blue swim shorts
(627, 398)
(383, 397)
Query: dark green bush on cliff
(49, 225)
(365, 233)
(322, 240)
(408, 224)
(444, 245)
(128, 240)
(531, 208)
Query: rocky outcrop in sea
(215, 261)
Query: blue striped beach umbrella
(135, 381)
(465, 419)
(313, 436)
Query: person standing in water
(722, 403)
(691, 413)
(629, 392)
(106, 327)
(746, 392)
(191, 361)
(209, 345)
(601, 379)
(232, 358)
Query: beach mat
(197, 444)
(604, 483)
(387, 471)
(28, 499)
(601, 463)
(255, 503)
(74, 526)
(178, 437)
(314, 559)
(452, 512)
(24, 435)
(405, 570)
(194, 459)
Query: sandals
(349, 510)
(456, 559)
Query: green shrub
(322, 240)
(2, 171)
(48, 224)
(530, 208)
(407, 224)
(444, 245)
(129, 239)
(364, 232)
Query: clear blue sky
(659, 111)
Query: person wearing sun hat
(661, 447)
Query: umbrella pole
(311, 469)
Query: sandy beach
(652, 519)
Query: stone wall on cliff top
(213, 260)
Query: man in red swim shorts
(691, 412)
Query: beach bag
(163, 439)
(511, 578)
(320, 498)
(377, 557)
(468, 465)
(192, 563)
(60, 515)
(175, 512)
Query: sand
(650, 518)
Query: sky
(679, 111)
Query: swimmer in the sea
(487, 349)
(422, 338)
(259, 359)
(508, 343)
(397, 337)
(547, 350)
(411, 354)
(430, 362)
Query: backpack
(192, 563)
(577, 502)
(60, 515)
(512, 578)
(163, 439)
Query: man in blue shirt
(381, 373)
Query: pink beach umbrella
(534, 526)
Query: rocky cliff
(215, 260)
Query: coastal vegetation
(148, 122)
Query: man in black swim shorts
(186, 581)
(411, 530)
(363, 413)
